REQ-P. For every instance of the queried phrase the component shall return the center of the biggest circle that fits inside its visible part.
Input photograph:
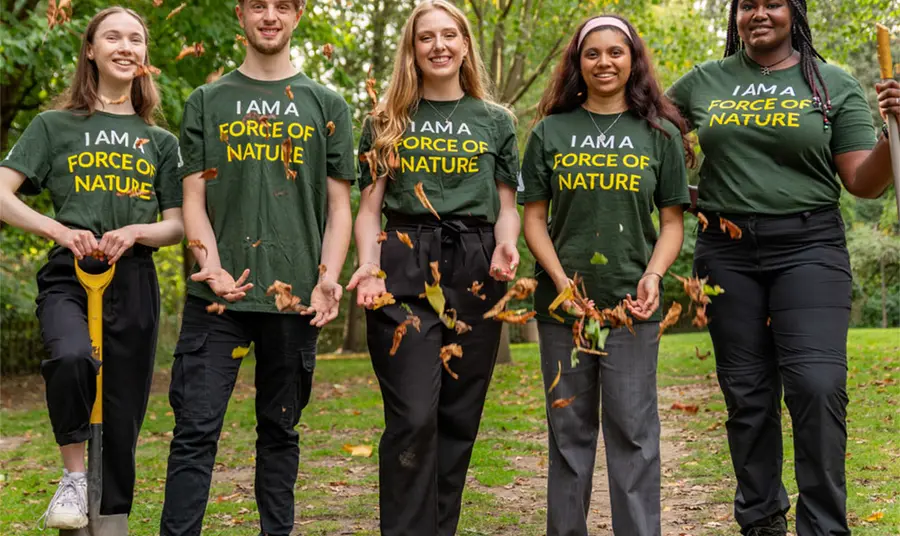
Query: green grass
(336, 492)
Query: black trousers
(432, 419)
(130, 323)
(782, 325)
(207, 359)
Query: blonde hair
(392, 114)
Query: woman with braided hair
(776, 123)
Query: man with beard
(268, 162)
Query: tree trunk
(884, 296)
(354, 340)
(504, 355)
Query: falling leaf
(210, 174)
(322, 270)
(157, 3)
(713, 291)
(393, 159)
(119, 100)
(58, 14)
(257, 243)
(703, 221)
(328, 50)
(197, 244)
(520, 316)
(287, 147)
(215, 308)
(190, 50)
(567, 294)
(420, 194)
(462, 327)
(215, 75)
(378, 272)
(562, 402)
(700, 318)
(138, 143)
(400, 331)
(599, 258)
(406, 308)
(475, 289)
(242, 40)
(363, 451)
(768, 321)
(330, 126)
(371, 158)
(176, 11)
(288, 92)
(146, 70)
(403, 237)
(223, 137)
(876, 516)
(618, 317)
(521, 290)
(555, 381)
(382, 236)
(433, 292)
(284, 299)
(728, 226)
(134, 192)
(449, 352)
(385, 299)
(239, 351)
(670, 320)
(701, 357)
(370, 88)
(687, 408)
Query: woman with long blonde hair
(111, 175)
(438, 136)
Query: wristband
(652, 273)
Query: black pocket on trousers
(189, 390)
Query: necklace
(602, 136)
(766, 70)
(446, 117)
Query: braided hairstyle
(801, 40)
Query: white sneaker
(68, 507)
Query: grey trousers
(623, 384)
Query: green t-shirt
(765, 146)
(602, 195)
(103, 171)
(263, 220)
(457, 161)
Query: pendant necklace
(766, 70)
(602, 136)
(446, 117)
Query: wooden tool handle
(885, 62)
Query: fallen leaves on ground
(687, 408)
(449, 352)
(420, 195)
(284, 299)
(701, 357)
(215, 308)
(876, 516)
(671, 319)
(364, 451)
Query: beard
(268, 48)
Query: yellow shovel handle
(94, 285)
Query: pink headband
(602, 21)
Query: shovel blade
(116, 525)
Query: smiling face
(605, 63)
(118, 47)
(268, 24)
(439, 46)
(764, 24)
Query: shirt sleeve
(192, 147)
(672, 181)
(853, 129)
(31, 156)
(168, 175)
(535, 171)
(365, 144)
(339, 145)
(506, 167)
(680, 95)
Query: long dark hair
(643, 95)
(801, 40)
(82, 95)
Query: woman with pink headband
(609, 150)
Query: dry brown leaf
(322, 270)
(119, 100)
(176, 10)
(462, 327)
(157, 3)
(521, 290)
(330, 126)
(520, 316)
(241, 39)
(210, 174)
(400, 331)
(562, 402)
(385, 299)
(363, 451)
(671, 319)
(729, 227)
(58, 14)
(257, 243)
(876, 516)
(223, 137)
(555, 381)
(190, 50)
(701, 357)
(371, 158)
(393, 161)
(703, 221)
(134, 192)
(403, 237)
(700, 318)
(449, 352)
(420, 195)
(197, 244)
(215, 308)
(288, 92)
(370, 88)
(382, 236)
(687, 408)
(328, 50)
(146, 70)
(378, 272)
(215, 75)
(284, 298)
(287, 147)
(475, 289)
(140, 142)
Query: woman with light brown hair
(436, 131)
(110, 173)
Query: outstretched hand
(324, 302)
(223, 284)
